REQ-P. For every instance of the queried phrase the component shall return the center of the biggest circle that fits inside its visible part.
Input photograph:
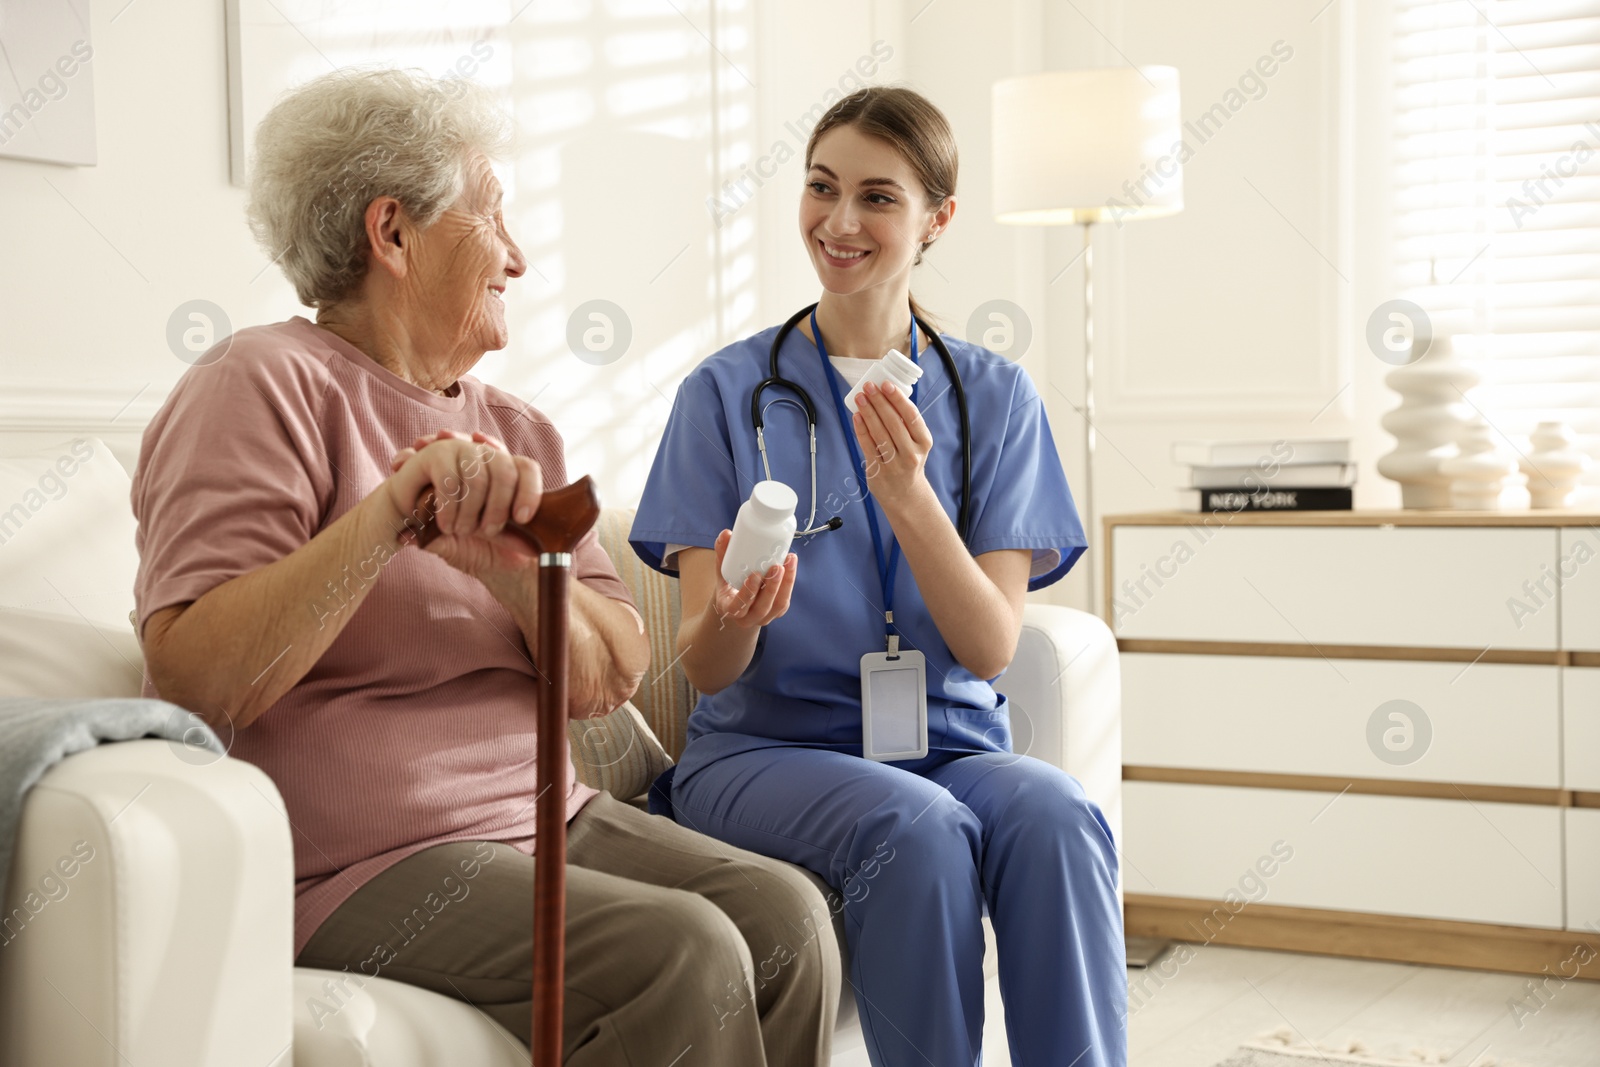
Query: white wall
(93, 260)
(1231, 319)
(629, 122)
(1242, 316)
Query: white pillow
(67, 565)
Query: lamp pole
(1089, 530)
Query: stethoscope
(777, 380)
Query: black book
(1278, 498)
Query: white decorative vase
(1430, 419)
(1553, 465)
(1479, 472)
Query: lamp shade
(1087, 146)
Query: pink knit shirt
(416, 727)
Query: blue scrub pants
(917, 849)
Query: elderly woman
(388, 690)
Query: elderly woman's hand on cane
(479, 488)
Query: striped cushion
(665, 697)
(617, 752)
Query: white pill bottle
(762, 533)
(894, 367)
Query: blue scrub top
(803, 684)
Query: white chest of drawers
(1363, 733)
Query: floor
(1199, 1002)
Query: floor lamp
(1081, 147)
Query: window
(1497, 165)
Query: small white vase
(1553, 465)
(1478, 473)
(1426, 425)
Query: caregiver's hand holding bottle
(717, 640)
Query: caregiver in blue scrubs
(918, 847)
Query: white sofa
(171, 943)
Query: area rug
(1284, 1048)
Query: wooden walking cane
(564, 516)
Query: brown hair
(913, 126)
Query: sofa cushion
(617, 752)
(665, 698)
(67, 565)
(347, 1019)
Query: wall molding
(105, 408)
(1131, 395)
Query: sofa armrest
(1065, 692)
(149, 914)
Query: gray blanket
(36, 733)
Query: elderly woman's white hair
(330, 147)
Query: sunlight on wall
(629, 114)
(624, 111)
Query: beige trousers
(679, 949)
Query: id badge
(894, 705)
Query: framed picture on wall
(47, 82)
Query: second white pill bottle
(894, 367)
(762, 532)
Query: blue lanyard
(888, 564)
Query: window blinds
(1497, 165)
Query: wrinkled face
(462, 264)
(863, 213)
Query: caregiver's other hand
(761, 599)
(479, 487)
(894, 440)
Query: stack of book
(1281, 475)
